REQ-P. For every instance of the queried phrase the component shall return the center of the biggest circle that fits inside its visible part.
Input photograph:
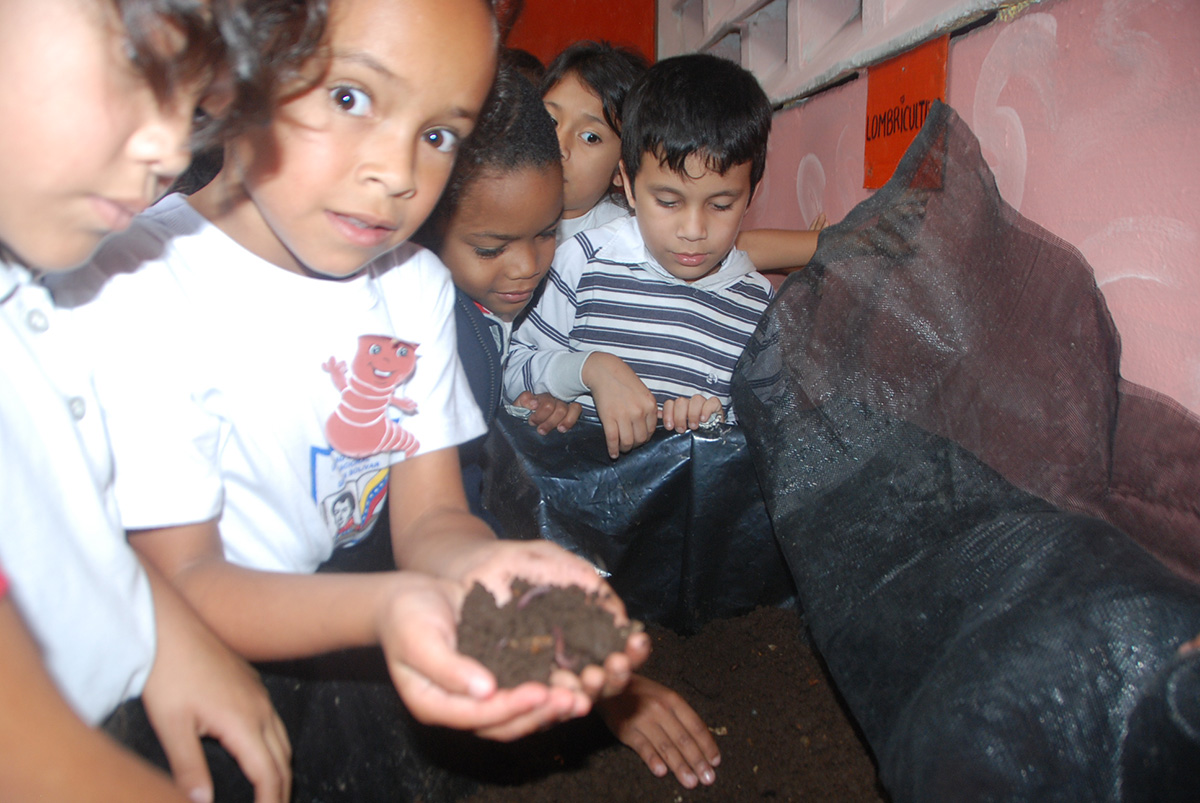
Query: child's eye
(590, 138)
(549, 234)
(351, 100)
(443, 139)
(666, 204)
(489, 253)
(722, 207)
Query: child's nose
(564, 139)
(524, 262)
(161, 142)
(387, 162)
(692, 225)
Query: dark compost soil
(758, 685)
(538, 629)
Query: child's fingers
(697, 742)
(561, 705)
(664, 731)
(696, 407)
(647, 424)
(711, 407)
(555, 413)
(612, 437)
(684, 756)
(264, 754)
(640, 744)
(281, 751)
(574, 410)
(505, 715)
(681, 738)
(637, 647)
(526, 400)
(186, 759)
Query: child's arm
(434, 532)
(683, 413)
(49, 753)
(547, 412)
(541, 356)
(664, 730)
(781, 249)
(626, 407)
(297, 615)
(196, 688)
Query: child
(290, 318)
(98, 101)
(584, 90)
(656, 309)
(494, 229)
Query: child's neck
(225, 203)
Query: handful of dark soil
(541, 628)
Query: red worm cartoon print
(360, 426)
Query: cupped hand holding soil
(540, 629)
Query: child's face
(84, 144)
(348, 169)
(590, 148)
(689, 222)
(500, 242)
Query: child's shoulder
(618, 240)
(602, 214)
(412, 268)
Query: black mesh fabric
(679, 522)
(968, 497)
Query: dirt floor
(782, 732)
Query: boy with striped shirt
(645, 318)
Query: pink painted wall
(1088, 112)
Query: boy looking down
(645, 318)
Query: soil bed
(757, 684)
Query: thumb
(188, 765)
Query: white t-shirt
(276, 401)
(76, 582)
(599, 215)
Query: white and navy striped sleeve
(543, 358)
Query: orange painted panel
(899, 94)
(545, 27)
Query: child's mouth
(362, 230)
(690, 260)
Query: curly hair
(514, 132)
(263, 44)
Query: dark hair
(202, 49)
(697, 104)
(524, 62)
(608, 70)
(263, 44)
(269, 43)
(514, 132)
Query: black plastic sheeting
(965, 491)
(678, 522)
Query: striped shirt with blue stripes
(606, 293)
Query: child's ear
(621, 179)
